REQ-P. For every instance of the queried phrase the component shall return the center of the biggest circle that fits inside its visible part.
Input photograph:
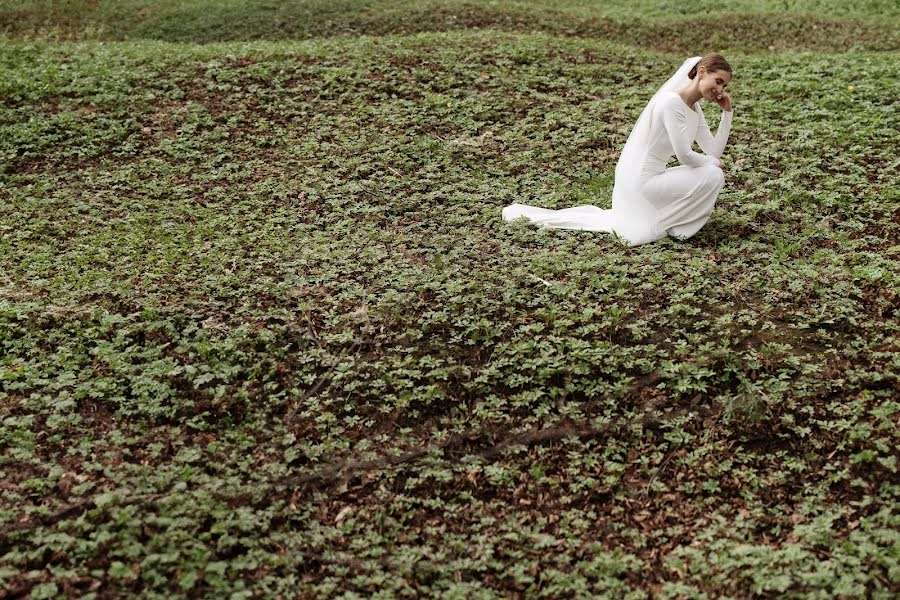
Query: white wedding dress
(649, 200)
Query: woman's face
(712, 83)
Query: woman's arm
(714, 147)
(674, 115)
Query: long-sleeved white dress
(676, 201)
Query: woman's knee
(683, 231)
(715, 175)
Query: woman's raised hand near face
(724, 100)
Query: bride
(650, 201)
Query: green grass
(745, 25)
(263, 331)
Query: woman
(650, 201)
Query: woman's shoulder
(673, 101)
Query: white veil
(626, 194)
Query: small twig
(321, 380)
(658, 472)
(544, 281)
(69, 510)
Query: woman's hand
(724, 100)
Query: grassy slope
(261, 326)
(823, 25)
